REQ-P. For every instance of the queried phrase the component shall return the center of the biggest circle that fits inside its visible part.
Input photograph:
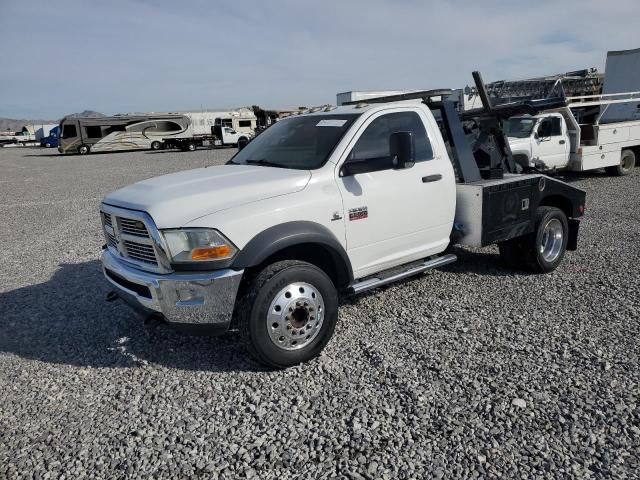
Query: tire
(191, 147)
(242, 142)
(627, 162)
(83, 149)
(543, 250)
(156, 145)
(278, 313)
(47, 145)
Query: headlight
(198, 245)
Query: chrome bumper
(198, 299)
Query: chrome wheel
(552, 240)
(295, 316)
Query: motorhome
(121, 132)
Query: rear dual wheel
(288, 313)
(627, 162)
(542, 250)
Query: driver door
(394, 216)
(552, 144)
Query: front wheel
(627, 162)
(83, 149)
(191, 147)
(288, 313)
(156, 145)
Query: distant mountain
(87, 113)
(15, 125)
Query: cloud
(157, 56)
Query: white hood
(178, 198)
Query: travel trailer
(121, 132)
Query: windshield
(519, 127)
(302, 143)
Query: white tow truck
(572, 137)
(337, 201)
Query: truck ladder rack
(595, 100)
(394, 275)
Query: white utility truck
(221, 136)
(336, 201)
(572, 137)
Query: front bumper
(203, 301)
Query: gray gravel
(467, 372)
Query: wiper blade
(265, 163)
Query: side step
(413, 269)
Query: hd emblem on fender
(359, 213)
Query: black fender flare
(289, 234)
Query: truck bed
(495, 210)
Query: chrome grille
(133, 227)
(129, 237)
(140, 252)
(111, 240)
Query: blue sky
(123, 56)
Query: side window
(93, 131)
(556, 127)
(69, 131)
(374, 142)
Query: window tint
(93, 131)
(69, 131)
(114, 128)
(550, 127)
(374, 142)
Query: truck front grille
(133, 227)
(139, 251)
(130, 238)
(111, 240)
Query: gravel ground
(466, 372)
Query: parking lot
(469, 371)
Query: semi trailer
(332, 202)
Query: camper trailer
(121, 132)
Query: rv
(121, 132)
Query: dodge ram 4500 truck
(336, 201)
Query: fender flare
(279, 237)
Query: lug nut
(288, 327)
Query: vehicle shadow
(50, 155)
(66, 320)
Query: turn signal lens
(211, 253)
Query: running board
(414, 269)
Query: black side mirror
(402, 146)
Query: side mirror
(402, 146)
(535, 135)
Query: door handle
(561, 142)
(431, 178)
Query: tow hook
(111, 296)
